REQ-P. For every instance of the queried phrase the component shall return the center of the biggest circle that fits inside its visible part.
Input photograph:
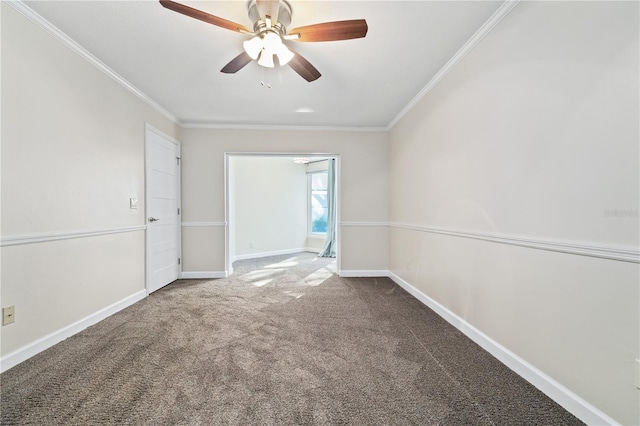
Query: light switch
(133, 203)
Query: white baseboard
(201, 275)
(267, 254)
(550, 387)
(312, 250)
(32, 349)
(353, 273)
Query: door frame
(228, 220)
(148, 128)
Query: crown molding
(485, 29)
(275, 127)
(31, 15)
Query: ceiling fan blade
(203, 16)
(237, 63)
(331, 31)
(269, 8)
(304, 68)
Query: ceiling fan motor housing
(284, 18)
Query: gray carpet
(282, 341)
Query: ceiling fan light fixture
(272, 45)
(253, 47)
(265, 46)
(284, 54)
(271, 41)
(266, 59)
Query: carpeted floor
(282, 341)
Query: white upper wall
(72, 138)
(534, 133)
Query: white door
(162, 183)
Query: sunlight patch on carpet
(259, 274)
(318, 277)
(287, 263)
(262, 282)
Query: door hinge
(178, 161)
(178, 261)
(178, 210)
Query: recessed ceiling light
(301, 160)
(304, 109)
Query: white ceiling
(175, 60)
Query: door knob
(153, 219)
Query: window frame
(310, 233)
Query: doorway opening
(280, 203)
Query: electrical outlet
(8, 315)
(133, 203)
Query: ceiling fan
(271, 19)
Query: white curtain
(329, 249)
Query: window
(318, 214)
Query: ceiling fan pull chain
(262, 83)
